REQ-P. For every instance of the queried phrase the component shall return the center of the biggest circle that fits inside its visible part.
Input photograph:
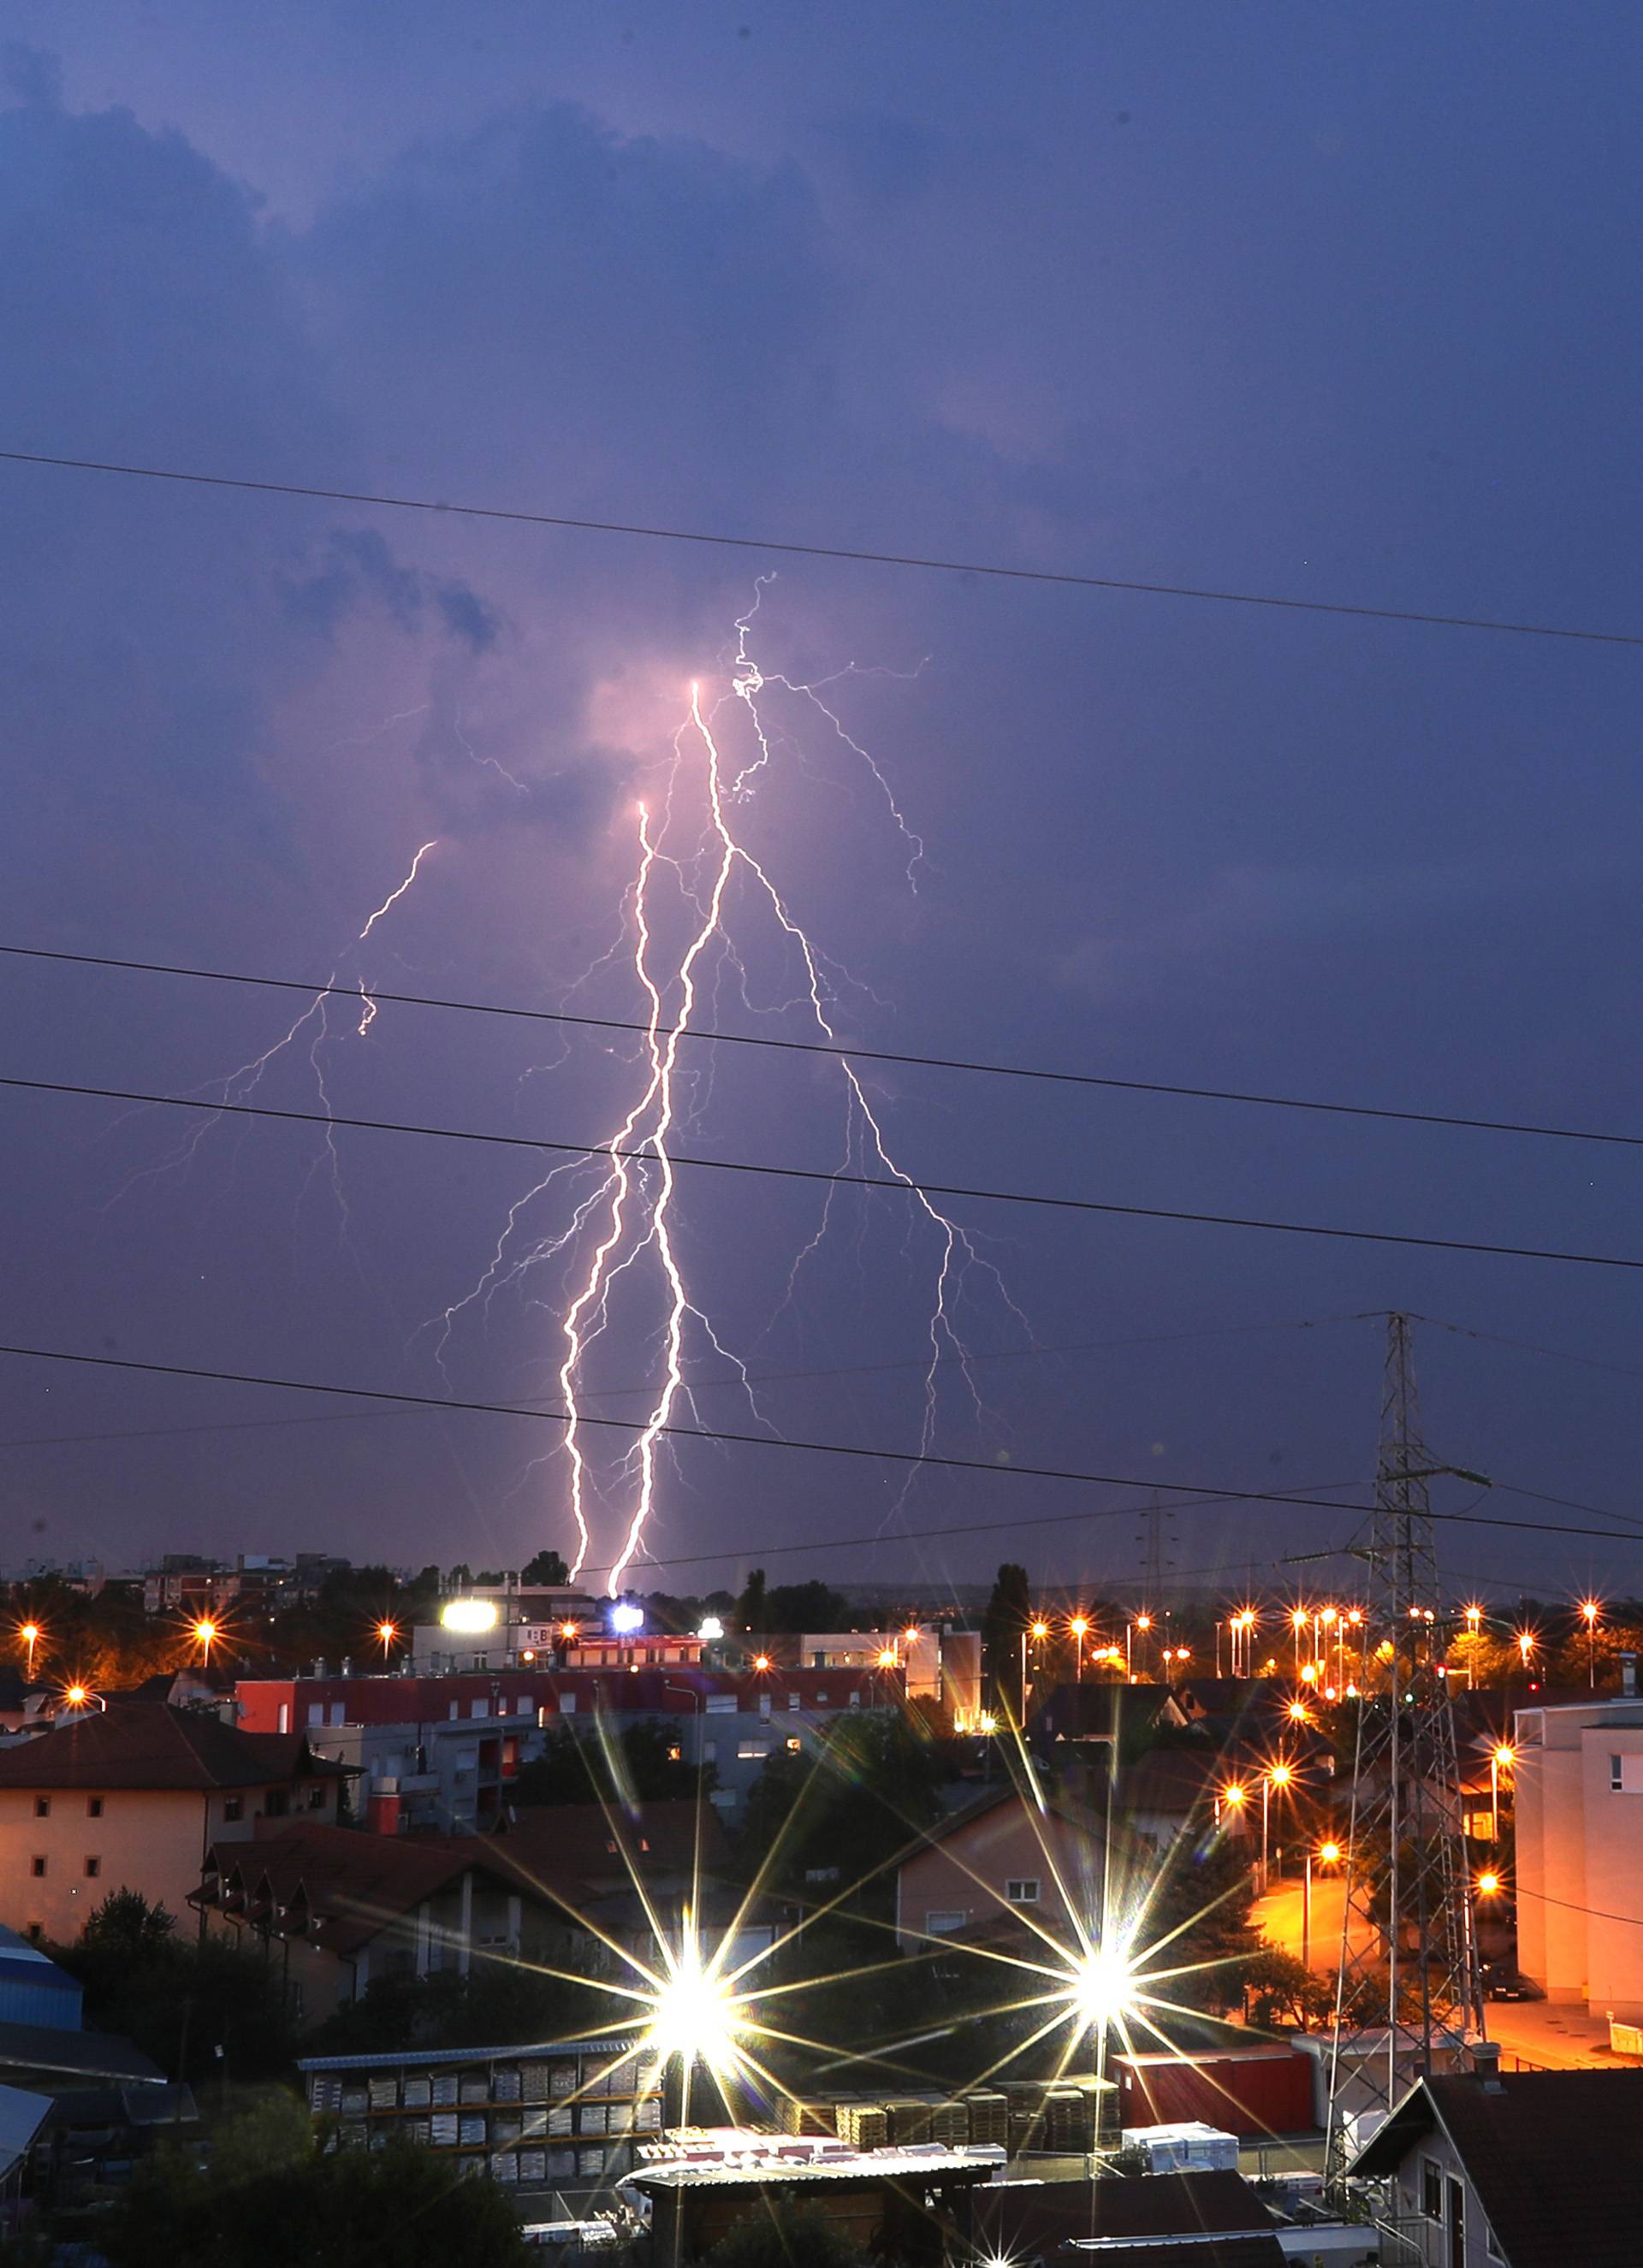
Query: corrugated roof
(147, 1744)
(92, 2055)
(1018, 2218)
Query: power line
(1527, 1346)
(922, 1364)
(519, 517)
(904, 1185)
(835, 1049)
(1008, 1468)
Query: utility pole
(1408, 1981)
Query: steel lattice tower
(1408, 1979)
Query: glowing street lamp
(1328, 1855)
(761, 1662)
(31, 1634)
(205, 1634)
(1079, 1629)
(1591, 1609)
(1234, 1795)
(1279, 1776)
(887, 1657)
(1525, 1642)
(387, 1632)
(1501, 1759)
(1488, 1883)
(1142, 1622)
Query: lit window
(795, 1746)
(1023, 1893)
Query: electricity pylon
(1408, 1983)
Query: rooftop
(1553, 2155)
(147, 1744)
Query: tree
(850, 1806)
(1009, 1613)
(815, 1606)
(1279, 1988)
(179, 2003)
(781, 2235)
(271, 2197)
(645, 1765)
(546, 1567)
(752, 1606)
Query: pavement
(1557, 2035)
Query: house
(1210, 2220)
(128, 1798)
(1515, 2170)
(566, 1887)
(1001, 1855)
(1578, 1802)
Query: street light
(1501, 1759)
(1142, 1622)
(1234, 1795)
(1590, 1609)
(387, 1632)
(205, 1631)
(1328, 1855)
(1079, 1629)
(30, 1633)
(1488, 1883)
(1474, 1615)
(1279, 1776)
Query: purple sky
(1311, 302)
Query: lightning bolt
(241, 1084)
(627, 1223)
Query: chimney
(382, 1808)
(1486, 2064)
(1629, 1675)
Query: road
(1277, 1917)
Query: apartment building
(1578, 1801)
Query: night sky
(1326, 303)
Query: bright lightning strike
(700, 896)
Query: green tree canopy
(640, 1765)
(545, 1567)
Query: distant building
(1002, 1855)
(128, 1798)
(1577, 1788)
(1209, 2219)
(1531, 2170)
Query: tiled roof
(353, 1884)
(1553, 2155)
(146, 1744)
(583, 1846)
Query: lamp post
(1079, 1629)
(1142, 1622)
(1474, 1615)
(1501, 1759)
(30, 1634)
(205, 1631)
(1590, 1608)
(387, 1631)
(1279, 1776)
(1328, 1855)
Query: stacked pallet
(987, 2113)
(864, 2124)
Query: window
(94, 1807)
(764, 1704)
(1491, 2243)
(855, 1700)
(316, 1712)
(792, 1700)
(37, 1867)
(316, 1798)
(276, 1802)
(675, 1754)
(710, 1752)
(339, 1712)
(451, 1711)
(941, 1921)
(93, 1867)
(567, 1704)
(751, 1751)
(284, 1717)
(1432, 2189)
(795, 1746)
(42, 1807)
(1616, 1777)
(479, 1708)
(233, 1807)
(721, 1704)
(1023, 1892)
